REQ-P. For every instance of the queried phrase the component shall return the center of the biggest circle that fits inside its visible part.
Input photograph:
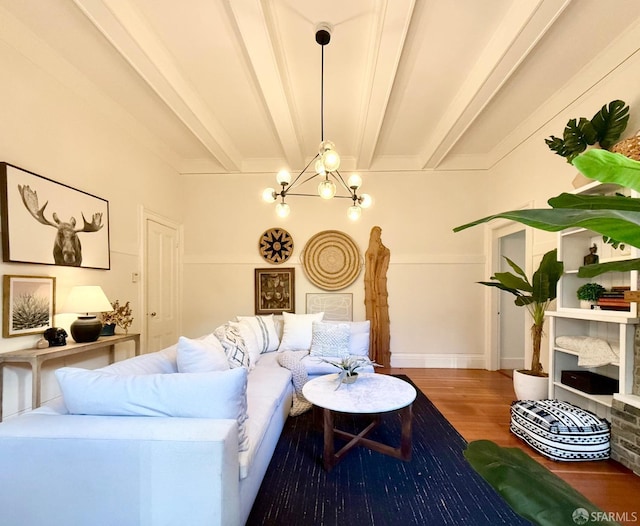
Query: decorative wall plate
(276, 245)
(331, 260)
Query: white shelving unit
(617, 327)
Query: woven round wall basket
(628, 147)
(331, 260)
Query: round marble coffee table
(371, 394)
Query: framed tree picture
(29, 304)
(274, 290)
(50, 223)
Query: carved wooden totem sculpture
(375, 297)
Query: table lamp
(87, 299)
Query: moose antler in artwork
(67, 249)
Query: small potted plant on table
(121, 316)
(349, 366)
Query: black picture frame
(275, 290)
(50, 223)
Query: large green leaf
(610, 122)
(529, 488)
(512, 281)
(545, 279)
(595, 202)
(577, 136)
(621, 225)
(591, 271)
(608, 167)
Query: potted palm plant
(536, 295)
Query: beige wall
(434, 306)
(52, 130)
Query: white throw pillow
(264, 329)
(297, 331)
(221, 394)
(358, 336)
(330, 339)
(200, 356)
(233, 345)
(250, 341)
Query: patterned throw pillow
(264, 329)
(233, 345)
(330, 339)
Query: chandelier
(325, 164)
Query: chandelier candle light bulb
(325, 164)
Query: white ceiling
(234, 85)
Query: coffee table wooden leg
(406, 420)
(328, 456)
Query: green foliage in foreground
(615, 217)
(531, 490)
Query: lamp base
(86, 329)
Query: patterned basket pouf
(561, 431)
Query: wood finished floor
(477, 402)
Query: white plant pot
(584, 304)
(529, 387)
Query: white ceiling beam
(389, 38)
(499, 60)
(125, 29)
(253, 27)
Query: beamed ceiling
(234, 85)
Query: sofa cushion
(358, 336)
(264, 329)
(297, 331)
(330, 339)
(221, 394)
(233, 345)
(200, 356)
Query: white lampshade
(283, 209)
(269, 195)
(283, 177)
(365, 201)
(354, 213)
(326, 189)
(331, 160)
(354, 181)
(87, 298)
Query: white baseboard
(511, 363)
(438, 361)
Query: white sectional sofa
(171, 437)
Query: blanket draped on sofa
(291, 360)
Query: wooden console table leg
(35, 383)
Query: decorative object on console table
(29, 304)
(120, 316)
(25, 238)
(87, 299)
(276, 245)
(274, 290)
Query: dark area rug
(437, 487)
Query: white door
(511, 317)
(508, 334)
(162, 272)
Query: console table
(36, 357)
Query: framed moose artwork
(50, 223)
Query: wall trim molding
(438, 361)
(402, 259)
